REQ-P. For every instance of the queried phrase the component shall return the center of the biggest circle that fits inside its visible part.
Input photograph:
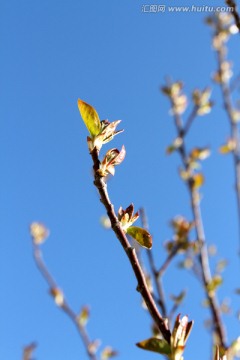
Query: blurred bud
(105, 222)
(201, 100)
(199, 153)
(108, 353)
(83, 317)
(197, 181)
(178, 99)
(228, 147)
(224, 74)
(175, 145)
(58, 296)
(93, 346)
(212, 286)
(38, 232)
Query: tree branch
(203, 256)
(130, 251)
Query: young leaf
(157, 345)
(90, 117)
(141, 235)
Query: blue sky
(115, 57)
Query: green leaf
(141, 235)
(90, 117)
(157, 345)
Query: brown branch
(37, 254)
(130, 251)
(168, 260)
(203, 256)
(234, 12)
(189, 121)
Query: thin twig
(154, 271)
(168, 260)
(37, 254)
(234, 84)
(130, 251)
(28, 351)
(228, 106)
(189, 121)
(203, 256)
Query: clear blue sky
(114, 56)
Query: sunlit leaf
(141, 235)
(159, 346)
(90, 117)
